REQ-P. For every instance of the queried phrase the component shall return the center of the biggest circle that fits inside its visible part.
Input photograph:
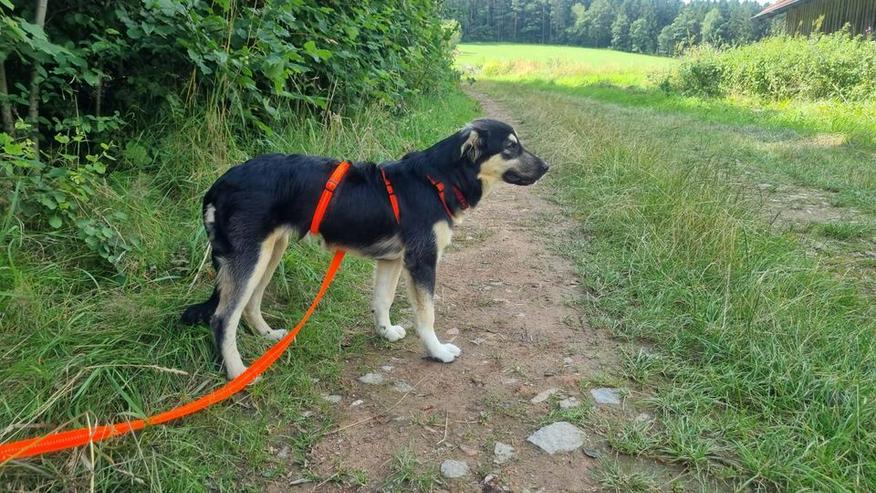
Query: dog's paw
(275, 335)
(445, 353)
(234, 372)
(391, 333)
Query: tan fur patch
(443, 236)
(492, 170)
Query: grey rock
(357, 402)
(402, 387)
(606, 396)
(453, 469)
(372, 379)
(334, 399)
(543, 395)
(569, 403)
(592, 453)
(452, 332)
(386, 368)
(503, 453)
(557, 437)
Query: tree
(580, 27)
(640, 36)
(715, 27)
(601, 16)
(739, 25)
(620, 32)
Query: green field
(633, 80)
(728, 245)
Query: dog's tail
(202, 312)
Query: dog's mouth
(513, 177)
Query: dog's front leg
(420, 271)
(385, 283)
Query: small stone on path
(503, 453)
(592, 453)
(569, 403)
(334, 399)
(453, 469)
(606, 396)
(543, 395)
(469, 451)
(453, 332)
(558, 437)
(372, 379)
(386, 368)
(402, 387)
(357, 402)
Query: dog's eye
(511, 145)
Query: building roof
(779, 7)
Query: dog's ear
(474, 144)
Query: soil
(507, 300)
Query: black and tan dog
(253, 209)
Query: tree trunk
(33, 113)
(5, 104)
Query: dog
(252, 210)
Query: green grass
(85, 344)
(409, 474)
(764, 362)
(632, 80)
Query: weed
(409, 474)
(844, 231)
(613, 476)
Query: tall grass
(766, 372)
(84, 343)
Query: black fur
(254, 199)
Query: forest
(665, 27)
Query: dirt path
(504, 297)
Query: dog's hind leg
(239, 275)
(386, 277)
(252, 313)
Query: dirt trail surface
(504, 298)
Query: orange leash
(54, 442)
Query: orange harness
(54, 442)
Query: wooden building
(826, 16)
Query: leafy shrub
(113, 70)
(822, 66)
(59, 195)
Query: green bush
(823, 66)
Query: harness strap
(393, 200)
(326, 197)
(439, 187)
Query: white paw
(234, 371)
(445, 353)
(275, 335)
(392, 333)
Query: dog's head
(495, 150)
